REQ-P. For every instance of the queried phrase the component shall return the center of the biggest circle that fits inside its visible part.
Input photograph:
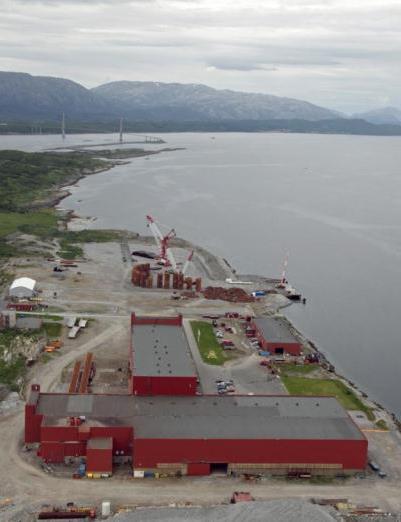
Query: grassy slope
(210, 350)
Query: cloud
(340, 53)
(244, 67)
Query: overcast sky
(343, 54)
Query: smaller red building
(160, 357)
(275, 337)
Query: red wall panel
(99, 460)
(59, 433)
(291, 348)
(150, 452)
(56, 451)
(198, 468)
(33, 422)
(164, 385)
(168, 321)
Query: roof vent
(297, 404)
(317, 404)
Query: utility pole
(121, 130)
(63, 126)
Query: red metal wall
(291, 348)
(56, 451)
(32, 424)
(63, 441)
(169, 321)
(99, 460)
(350, 454)
(164, 385)
(198, 468)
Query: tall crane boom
(187, 262)
(165, 255)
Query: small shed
(22, 287)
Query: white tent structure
(22, 287)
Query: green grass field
(37, 223)
(210, 350)
(305, 386)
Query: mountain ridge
(24, 96)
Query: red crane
(162, 241)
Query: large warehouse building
(160, 358)
(196, 435)
(275, 337)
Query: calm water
(333, 202)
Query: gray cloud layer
(340, 53)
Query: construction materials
(86, 374)
(233, 295)
(75, 379)
(241, 496)
(67, 513)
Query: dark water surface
(333, 202)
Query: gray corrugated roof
(243, 417)
(275, 330)
(160, 350)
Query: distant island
(35, 104)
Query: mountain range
(384, 115)
(27, 98)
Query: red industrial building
(160, 358)
(196, 435)
(275, 337)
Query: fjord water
(332, 202)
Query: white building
(22, 287)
